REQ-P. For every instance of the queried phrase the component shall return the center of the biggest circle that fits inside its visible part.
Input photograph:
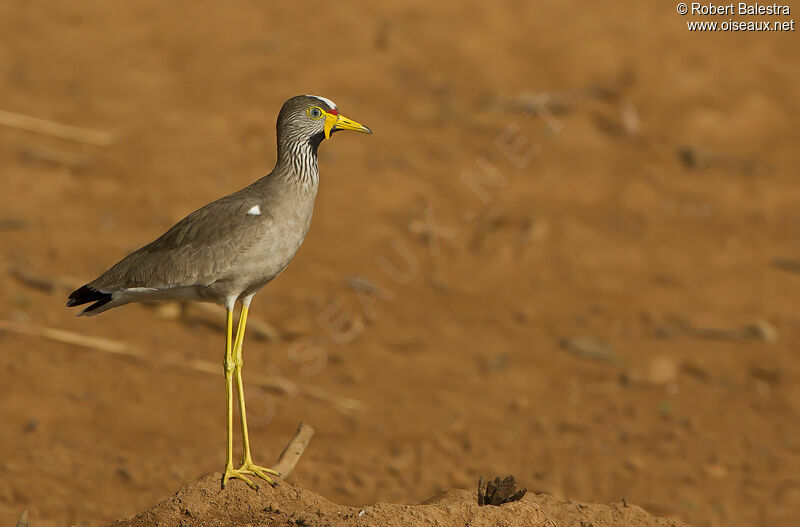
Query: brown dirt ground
(461, 365)
(203, 503)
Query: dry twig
(46, 284)
(54, 129)
(258, 328)
(760, 330)
(291, 454)
(589, 348)
(112, 347)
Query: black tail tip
(83, 295)
(86, 294)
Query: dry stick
(23, 519)
(54, 129)
(291, 454)
(262, 329)
(59, 335)
(47, 284)
(112, 347)
(259, 327)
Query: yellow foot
(248, 467)
(231, 473)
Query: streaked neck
(298, 161)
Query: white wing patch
(255, 210)
(330, 103)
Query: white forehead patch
(330, 103)
(255, 210)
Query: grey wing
(198, 250)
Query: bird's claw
(232, 473)
(248, 467)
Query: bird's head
(313, 118)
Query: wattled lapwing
(229, 249)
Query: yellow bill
(334, 122)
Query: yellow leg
(228, 366)
(248, 467)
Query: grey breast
(273, 247)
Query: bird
(227, 250)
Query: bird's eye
(315, 112)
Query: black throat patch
(315, 140)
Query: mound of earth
(202, 502)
